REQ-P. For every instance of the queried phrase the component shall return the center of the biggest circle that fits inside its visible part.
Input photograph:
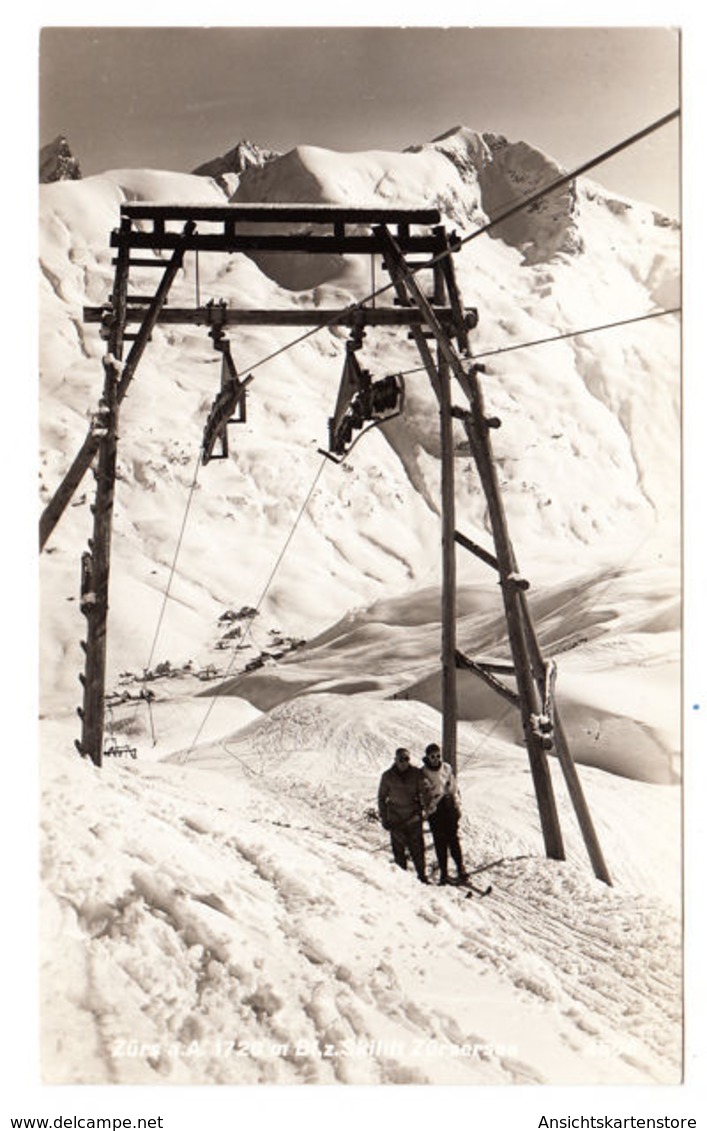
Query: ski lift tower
(439, 324)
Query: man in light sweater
(443, 811)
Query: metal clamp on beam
(515, 581)
(216, 313)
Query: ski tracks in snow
(216, 929)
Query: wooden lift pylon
(392, 234)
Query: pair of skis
(471, 888)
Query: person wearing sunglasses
(443, 810)
(401, 805)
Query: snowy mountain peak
(466, 148)
(504, 173)
(227, 170)
(57, 162)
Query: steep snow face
(503, 173)
(515, 172)
(358, 180)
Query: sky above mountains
(175, 97)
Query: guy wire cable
(166, 593)
(173, 567)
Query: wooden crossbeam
(321, 316)
(574, 785)
(474, 548)
(229, 241)
(326, 228)
(281, 213)
(497, 667)
(138, 262)
(484, 673)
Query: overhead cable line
(173, 567)
(579, 333)
(557, 337)
(166, 593)
(266, 587)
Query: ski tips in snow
(473, 890)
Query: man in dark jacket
(400, 806)
(443, 810)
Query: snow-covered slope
(244, 869)
(247, 926)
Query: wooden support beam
(475, 549)
(440, 381)
(151, 317)
(449, 574)
(146, 261)
(411, 293)
(230, 242)
(321, 316)
(117, 377)
(567, 764)
(280, 213)
(67, 488)
(392, 259)
(94, 603)
(496, 667)
(96, 561)
(464, 320)
(530, 705)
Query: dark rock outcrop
(57, 162)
